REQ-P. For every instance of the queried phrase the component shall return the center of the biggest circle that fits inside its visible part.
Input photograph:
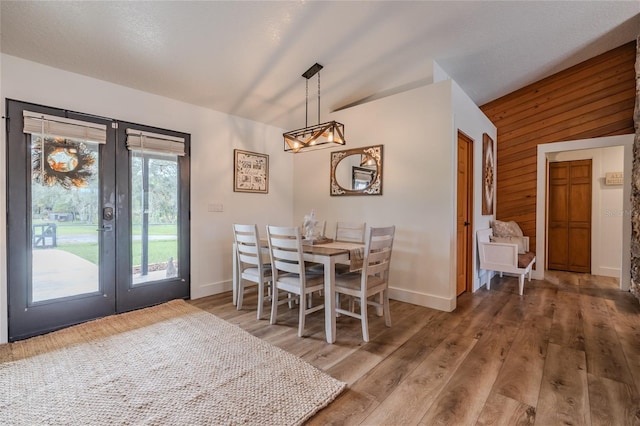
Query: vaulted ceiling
(246, 57)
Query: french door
(97, 220)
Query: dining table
(326, 254)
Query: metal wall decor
(488, 168)
(349, 176)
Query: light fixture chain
(318, 97)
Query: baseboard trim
(422, 299)
(607, 272)
(210, 289)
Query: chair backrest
(351, 232)
(378, 248)
(248, 249)
(285, 247)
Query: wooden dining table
(326, 254)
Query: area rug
(172, 364)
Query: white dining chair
(372, 280)
(253, 266)
(290, 274)
(351, 232)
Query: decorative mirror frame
(375, 188)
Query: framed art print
(251, 172)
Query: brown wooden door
(463, 217)
(569, 232)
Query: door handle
(105, 228)
(467, 223)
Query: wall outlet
(215, 207)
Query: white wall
(214, 135)
(606, 207)
(470, 120)
(419, 136)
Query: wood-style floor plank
(605, 357)
(612, 403)
(625, 320)
(564, 394)
(501, 410)
(424, 384)
(566, 352)
(526, 361)
(464, 396)
(567, 328)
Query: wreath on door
(65, 162)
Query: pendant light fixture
(317, 136)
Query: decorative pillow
(506, 229)
(510, 240)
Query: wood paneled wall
(592, 99)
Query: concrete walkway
(58, 273)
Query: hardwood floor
(567, 352)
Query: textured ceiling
(246, 58)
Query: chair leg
(260, 298)
(379, 309)
(529, 275)
(303, 308)
(274, 306)
(521, 283)
(387, 311)
(291, 300)
(240, 295)
(364, 318)
(488, 281)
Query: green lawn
(77, 229)
(159, 251)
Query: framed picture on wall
(250, 172)
(488, 167)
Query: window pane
(154, 205)
(64, 218)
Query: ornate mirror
(357, 171)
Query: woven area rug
(171, 364)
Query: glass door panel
(154, 205)
(153, 219)
(65, 195)
(61, 251)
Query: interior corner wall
(214, 136)
(415, 129)
(469, 119)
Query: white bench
(504, 257)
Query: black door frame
(116, 292)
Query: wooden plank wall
(592, 99)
